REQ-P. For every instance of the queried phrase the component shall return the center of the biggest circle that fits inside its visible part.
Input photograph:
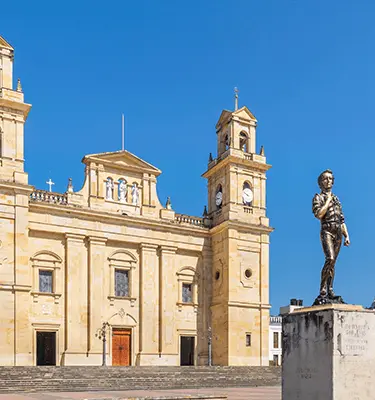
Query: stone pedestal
(329, 353)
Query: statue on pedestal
(135, 194)
(122, 190)
(327, 207)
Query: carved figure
(122, 192)
(327, 208)
(135, 194)
(109, 186)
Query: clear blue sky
(304, 68)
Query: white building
(275, 340)
(275, 332)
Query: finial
(261, 151)
(70, 185)
(236, 99)
(205, 213)
(168, 204)
(19, 86)
(210, 158)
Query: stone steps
(32, 379)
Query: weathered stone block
(329, 353)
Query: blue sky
(304, 68)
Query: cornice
(88, 214)
(74, 237)
(241, 226)
(148, 246)
(97, 240)
(15, 105)
(16, 187)
(234, 160)
(168, 249)
(124, 167)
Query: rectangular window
(45, 281)
(121, 283)
(187, 293)
(248, 339)
(276, 340)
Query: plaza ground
(258, 393)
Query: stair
(88, 378)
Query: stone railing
(276, 320)
(187, 219)
(49, 197)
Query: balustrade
(187, 219)
(49, 197)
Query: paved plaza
(258, 393)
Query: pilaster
(167, 306)
(76, 307)
(149, 304)
(22, 280)
(96, 290)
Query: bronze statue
(327, 207)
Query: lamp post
(102, 335)
(209, 337)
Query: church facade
(167, 288)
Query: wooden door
(121, 347)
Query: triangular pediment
(243, 113)
(121, 160)
(4, 43)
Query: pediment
(243, 113)
(121, 160)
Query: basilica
(109, 259)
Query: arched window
(109, 186)
(244, 142)
(122, 193)
(219, 197)
(227, 142)
(247, 194)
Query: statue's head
(326, 180)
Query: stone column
(167, 306)
(97, 269)
(149, 305)
(76, 309)
(329, 353)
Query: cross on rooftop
(50, 183)
(236, 98)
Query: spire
(19, 86)
(205, 213)
(236, 99)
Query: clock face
(219, 198)
(247, 196)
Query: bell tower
(240, 242)
(13, 114)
